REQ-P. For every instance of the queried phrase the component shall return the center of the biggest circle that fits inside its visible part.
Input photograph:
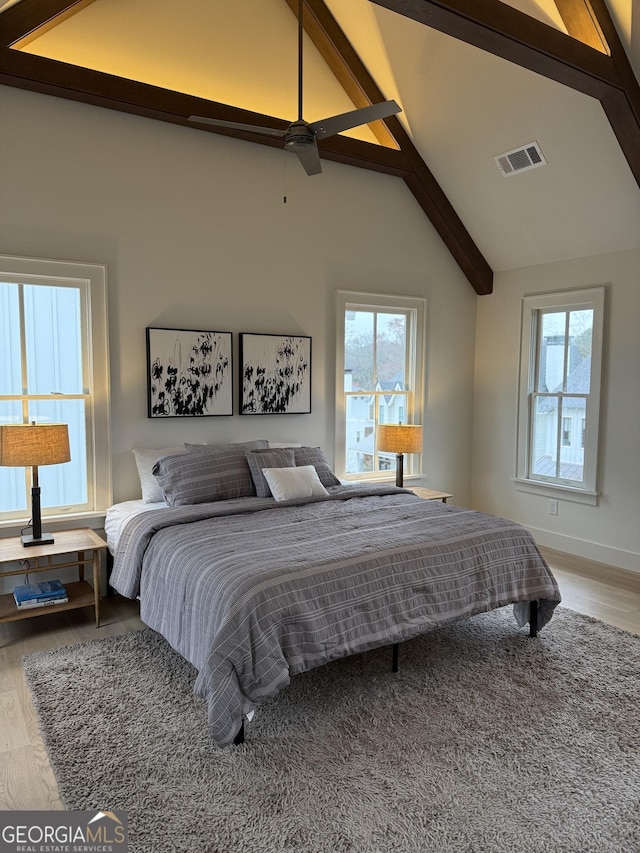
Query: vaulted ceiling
(474, 80)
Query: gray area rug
(485, 740)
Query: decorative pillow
(205, 473)
(259, 459)
(145, 460)
(314, 456)
(289, 484)
(285, 443)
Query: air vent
(520, 159)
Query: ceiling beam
(510, 34)
(49, 77)
(498, 28)
(626, 78)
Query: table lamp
(28, 446)
(399, 439)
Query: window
(378, 379)
(559, 404)
(53, 368)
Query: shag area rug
(485, 740)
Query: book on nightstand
(39, 594)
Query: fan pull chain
(284, 177)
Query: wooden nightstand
(430, 494)
(73, 544)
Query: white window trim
(378, 301)
(38, 271)
(573, 299)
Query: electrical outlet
(553, 507)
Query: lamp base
(44, 539)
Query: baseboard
(617, 557)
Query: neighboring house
(360, 437)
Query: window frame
(91, 280)
(532, 306)
(415, 308)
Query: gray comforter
(252, 592)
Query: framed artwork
(275, 374)
(189, 373)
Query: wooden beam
(627, 80)
(444, 219)
(499, 29)
(40, 74)
(510, 34)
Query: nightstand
(430, 494)
(72, 544)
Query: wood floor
(26, 778)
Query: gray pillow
(314, 456)
(271, 458)
(206, 473)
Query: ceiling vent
(520, 159)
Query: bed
(253, 589)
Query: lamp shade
(399, 438)
(29, 445)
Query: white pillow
(289, 484)
(284, 443)
(145, 460)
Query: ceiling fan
(301, 137)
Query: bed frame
(240, 737)
(533, 632)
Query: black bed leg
(239, 738)
(394, 657)
(110, 589)
(533, 618)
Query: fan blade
(309, 157)
(345, 121)
(250, 128)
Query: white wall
(610, 531)
(194, 233)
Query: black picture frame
(275, 374)
(189, 373)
